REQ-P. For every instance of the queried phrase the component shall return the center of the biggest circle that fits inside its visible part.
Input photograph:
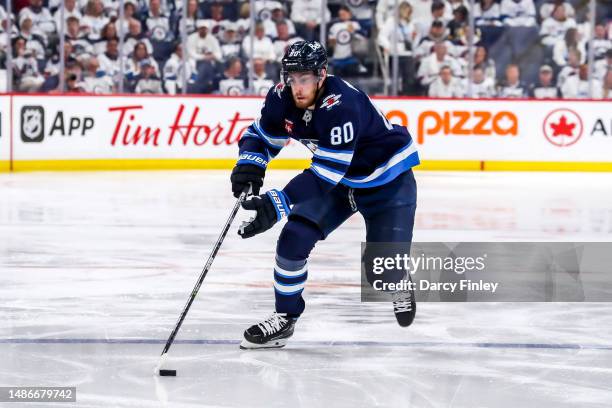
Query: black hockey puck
(167, 373)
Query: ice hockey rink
(96, 267)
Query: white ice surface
(96, 267)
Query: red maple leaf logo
(563, 127)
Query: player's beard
(305, 100)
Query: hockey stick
(203, 274)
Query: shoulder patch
(279, 89)
(330, 101)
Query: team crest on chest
(288, 126)
(307, 116)
(330, 101)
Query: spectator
(306, 14)
(481, 86)
(574, 60)
(512, 87)
(561, 49)
(278, 16)
(547, 8)
(133, 64)
(406, 35)
(264, 8)
(601, 44)
(109, 60)
(36, 41)
(262, 45)
(129, 12)
(4, 38)
(342, 34)
(261, 82)
(545, 87)
(26, 73)
(445, 85)
(157, 24)
(437, 33)
(603, 65)
(460, 44)
(482, 60)
(109, 32)
(554, 28)
(577, 86)
(230, 44)
(134, 36)
(96, 81)
(147, 81)
(73, 84)
(244, 22)
(81, 47)
(438, 13)
(193, 15)
(201, 46)
(40, 16)
(430, 66)
(232, 81)
(283, 41)
(94, 19)
(70, 10)
(518, 13)
(217, 19)
(487, 13)
(362, 11)
(173, 72)
(457, 26)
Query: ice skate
(271, 333)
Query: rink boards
(79, 132)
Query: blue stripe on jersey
(328, 174)
(336, 156)
(273, 141)
(271, 150)
(401, 161)
(338, 166)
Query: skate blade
(247, 345)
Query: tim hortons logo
(466, 123)
(185, 130)
(562, 127)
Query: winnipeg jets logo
(288, 126)
(330, 101)
(307, 116)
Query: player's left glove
(271, 208)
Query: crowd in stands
(522, 48)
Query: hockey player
(361, 163)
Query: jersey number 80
(344, 134)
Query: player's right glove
(245, 174)
(270, 207)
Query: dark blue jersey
(354, 144)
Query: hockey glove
(243, 174)
(271, 208)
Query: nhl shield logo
(32, 124)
